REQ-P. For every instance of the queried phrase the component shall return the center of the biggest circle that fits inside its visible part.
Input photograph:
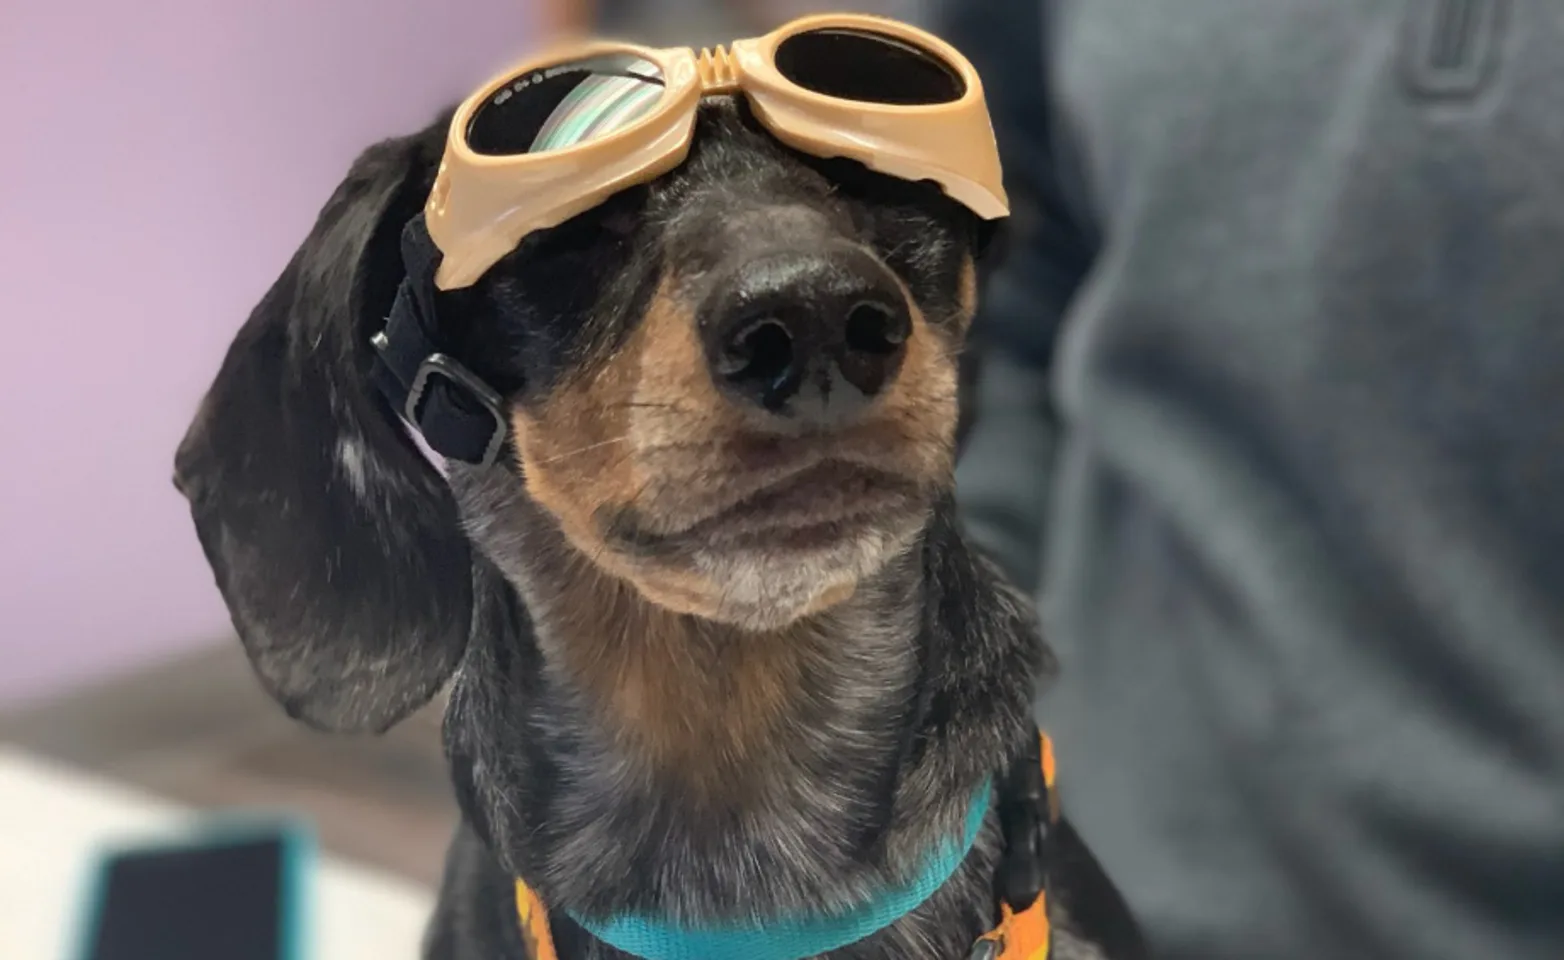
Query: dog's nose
(812, 336)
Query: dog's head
(734, 389)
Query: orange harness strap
(534, 924)
(1019, 936)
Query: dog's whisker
(580, 450)
(952, 355)
(597, 555)
(649, 405)
(615, 464)
(692, 446)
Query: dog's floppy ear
(334, 542)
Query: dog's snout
(811, 335)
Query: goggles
(560, 133)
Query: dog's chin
(763, 552)
(764, 581)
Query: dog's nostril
(877, 329)
(761, 352)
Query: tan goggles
(559, 134)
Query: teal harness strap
(793, 939)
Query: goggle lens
(867, 67)
(566, 105)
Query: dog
(703, 660)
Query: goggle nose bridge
(717, 70)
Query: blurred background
(162, 161)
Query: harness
(1027, 807)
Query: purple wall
(159, 163)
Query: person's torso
(1308, 508)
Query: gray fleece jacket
(1273, 416)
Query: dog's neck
(659, 763)
(715, 714)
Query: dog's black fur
(631, 728)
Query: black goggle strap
(458, 415)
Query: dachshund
(705, 659)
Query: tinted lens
(867, 67)
(565, 106)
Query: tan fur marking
(920, 407)
(672, 381)
(700, 701)
(967, 293)
(576, 451)
(833, 596)
(583, 449)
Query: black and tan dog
(709, 655)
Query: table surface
(53, 820)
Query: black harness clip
(1026, 817)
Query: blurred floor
(201, 731)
